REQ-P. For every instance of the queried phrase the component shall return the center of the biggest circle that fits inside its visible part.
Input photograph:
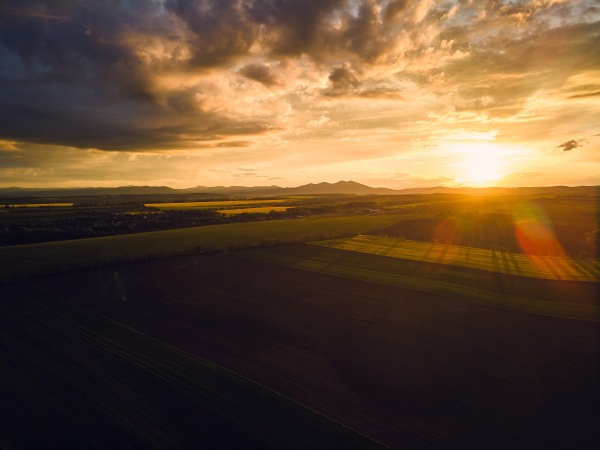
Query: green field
(535, 296)
(550, 267)
(25, 260)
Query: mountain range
(341, 187)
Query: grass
(549, 267)
(529, 295)
(23, 261)
(82, 381)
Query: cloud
(588, 94)
(216, 31)
(343, 82)
(175, 75)
(86, 77)
(261, 73)
(569, 145)
(318, 123)
(342, 77)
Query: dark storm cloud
(569, 145)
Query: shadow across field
(566, 299)
(412, 369)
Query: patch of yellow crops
(40, 205)
(264, 209)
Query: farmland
(41, 205)
(218, 204)
(84, 381)
(501, 261)
(418, 322)
(411, 368)
(258, 209)
(25, 260)
(551, 298)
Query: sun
(482, 169)
(482, 163)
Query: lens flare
(534, 231)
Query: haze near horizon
(387, 93)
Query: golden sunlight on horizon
(483, 163)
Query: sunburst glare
(483, 163)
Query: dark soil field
(72, 379)
(411, 369)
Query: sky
(391, 93)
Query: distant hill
(14, 192)
(234, 190)
(341, 187)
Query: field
(223, 204)
(501, 261)
(550, 298)
(450, 322)
(24, 260)
(40, 205)
(260, 209)
(83, 381)
(537, 225)
(410, 368)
